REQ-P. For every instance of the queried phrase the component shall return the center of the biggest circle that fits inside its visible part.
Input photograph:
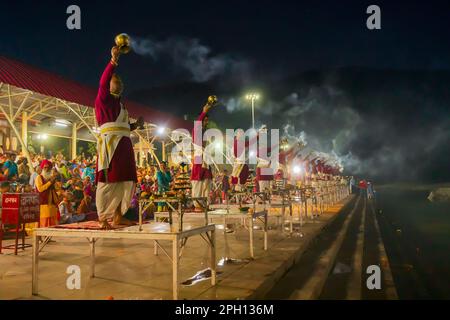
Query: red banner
(20, 208)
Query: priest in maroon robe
(116, 167)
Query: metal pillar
(163, 144)
(141, 152)
(25, 128)
(73, 149)
(18, 135)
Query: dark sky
(270, 45)
(287, 35)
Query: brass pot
(212, 100)
(123, 41)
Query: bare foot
(105, 225)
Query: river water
(416, 235)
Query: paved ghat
(341, 261)
(128, 269)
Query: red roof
(31, 78)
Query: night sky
(379, 99)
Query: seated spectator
(89, 171)
(64, 171)
(78, 193)
(10, 168)
(67, 213)
(88, 187)
(5, 187)
(37, 171)
(85, 205)
(23, 171)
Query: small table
(152, 231)
(174, 204)
(281, 199)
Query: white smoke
(189, 55)
(319, 117)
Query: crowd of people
(67, 189)
(364, 187)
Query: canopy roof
(20, 75)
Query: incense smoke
(190, 55)
(368, 132)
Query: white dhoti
(196, 188)
(200, 189)
(264, 185)
(113, 196)
(206, 188)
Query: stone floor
(128, 269)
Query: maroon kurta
(259, 175)
(283, 159)
(199, 173)
(107, 109)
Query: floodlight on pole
(252, 97)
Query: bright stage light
(161, 130)
(62, 123)
(43, 136)
(297, 169)
(252, 96)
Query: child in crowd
(225, 185)
(85, 204)
(67, 213)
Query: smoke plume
(190, 55)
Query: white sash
(110, 135)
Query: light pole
(252, 97)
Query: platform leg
(155, 247)
(212, 248)
(175, 268)
(1, 237)
(300, 213)
(265, 231)
(35, 264)
(23, 236)
(16, 243)
(291, 220)
(92, 261)
(250, 230)
(140, 217)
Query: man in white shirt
(67, 214)
(37, 171)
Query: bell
(123, 41)
(212, 100)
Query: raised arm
(201, 117)
(103, 90)
(104, 86)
